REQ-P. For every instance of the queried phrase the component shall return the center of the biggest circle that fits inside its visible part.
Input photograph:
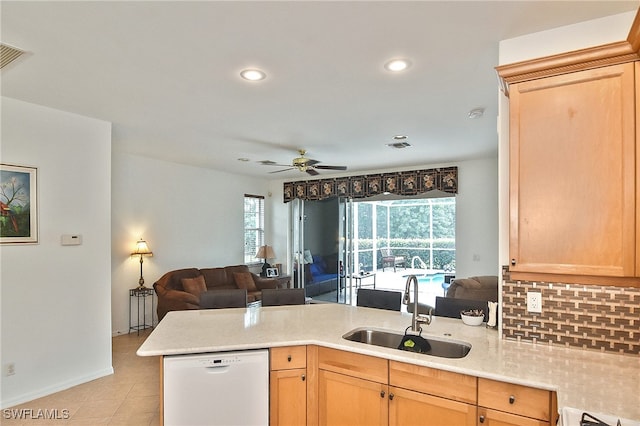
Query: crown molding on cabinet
(577, 60)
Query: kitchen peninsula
(587, 380)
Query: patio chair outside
(389, 259)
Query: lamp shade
(265, 252)
(142, 249)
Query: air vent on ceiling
(399, 145)
(8, 54)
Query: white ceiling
(166, 74)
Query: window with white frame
(253, 227)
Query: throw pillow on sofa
(245, 280)
(317, 269)
(195, 286)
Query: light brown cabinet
(488, 417)
(347, 400)
(413, 408)
(288, 386)
(348, 388)
(418, 393)
(573, 173)
(352, 388)
(502, 404)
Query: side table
(139, 295)
(284, 281)
(359, 277)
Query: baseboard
(21, 399)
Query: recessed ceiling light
(253, 74)
(399, 137)
(396, 65)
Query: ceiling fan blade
(275, 164)
(311, 162)
(330, 167)
(283, 170)
(312, 172)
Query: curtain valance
(402, 183)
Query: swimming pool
(431, 279)
(437, 278)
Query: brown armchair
(181, 289)
(483, 288)
(389, 259)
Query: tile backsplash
(602, 318)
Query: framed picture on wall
(18, 204)
(272, 272)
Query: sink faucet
(417, 319)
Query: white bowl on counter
(472, 319)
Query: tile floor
(130, 396)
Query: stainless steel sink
(444, 348)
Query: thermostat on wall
(71, 240)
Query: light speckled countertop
(588, 380)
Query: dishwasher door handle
(217, 369)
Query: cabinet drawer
(516, 399)
(489, 417)
(356, 365)
(288, 357)
(459, 387)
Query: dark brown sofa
(172, 295)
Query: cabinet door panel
(572, 173)
(288, 397)
(413, 408)
(345, 400)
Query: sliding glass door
(346, 249)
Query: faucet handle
(424, 319)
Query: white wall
(189, 216)
(531, 46)
(477, 218)
(56, 300)
(476, 215)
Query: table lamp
(142, 249)
(265, 252)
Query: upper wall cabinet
(574, 171)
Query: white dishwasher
(225, 388)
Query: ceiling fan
(303, 164)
